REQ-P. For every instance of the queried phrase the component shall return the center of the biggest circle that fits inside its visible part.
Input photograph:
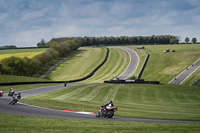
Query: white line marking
(189, 75)
(183, 71)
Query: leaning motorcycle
(1, 95)
(11, 93)
(106, 111)
(15, 99)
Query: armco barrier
(194, 83)
(70, 81)
(142, 69)
(140, 81)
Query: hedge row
(65, 82)
(29, 66)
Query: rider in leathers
(108, 105)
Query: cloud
(32, 21)
(34, 14)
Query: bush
(29, 66)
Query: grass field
(174, 102)
(84, 63)
(139, 101)
(79, 65)
(21, 52)
(164, 67)
(11, 78)
(116, 64)
(18, 88)
(33, 124)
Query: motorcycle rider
(1, 93)
(11, 92)
(15, 97)
(108, 105)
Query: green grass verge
(11, 78)
(116, 64)
(84, 63)
(133, 100)
(79, 65)
(164, 67)
(24, 87)
(34, 124)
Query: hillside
(84, 63)
(164, 67)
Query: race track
(186, 73)
(133, 64)
(23, 109)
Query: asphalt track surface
(29, 110)
(133, 64)
(186, 73)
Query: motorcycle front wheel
(110, 114)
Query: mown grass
(18, 88)
(116, 64)
(21, 52)
(79, 65)
(32, 124)
(11, 78)
(133, 100)
(84, 63)
(164, 67)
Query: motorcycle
(1, 95)
(106, 111)
(11, 92)
(15, 99)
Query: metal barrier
(65, 82)
(142, 69)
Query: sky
(25, 22)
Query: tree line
(29, 66)
(122, 40)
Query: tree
(42, 44)
(187, 39)
(194, 40)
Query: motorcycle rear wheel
(97, 114)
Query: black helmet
(110, 101)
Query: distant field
(21, 52)
(164, 67)
(133, 100)
(11, 78)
